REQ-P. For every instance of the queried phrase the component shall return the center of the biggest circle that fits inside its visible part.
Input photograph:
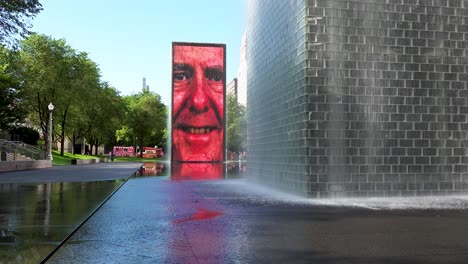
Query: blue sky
(130, 40)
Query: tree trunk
(62, 140)
(96, 144)
(64, 121)
(73, 143)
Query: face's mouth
(198, 141)
(197, 130)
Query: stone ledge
(24, 165)
(87, 161)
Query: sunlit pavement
(156, 220)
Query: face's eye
(182, 73)
(214, 75)
(181, 76)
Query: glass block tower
(358, 98)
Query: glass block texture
(277, 114)
(359, 98)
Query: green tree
(82, 104)
(11, 111)
(145, 120)
(27, 135)
(43, 67)
(54, 72)
(108, 118)
(236, 125)
(14, 18)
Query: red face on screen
(198, 103)
(197, 171)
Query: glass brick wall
(359, 98)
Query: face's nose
(199, 98)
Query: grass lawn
(67, 157)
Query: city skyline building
(145, 86)
(231, 88)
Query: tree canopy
(11, 110)
(236, 125)
(15, 16)
(145, 120)
(107, 115)
(87, 110)
(49, 69)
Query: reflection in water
(235, 169)
(153, 169)
(43, 211)
(35, 218)
(200, 214)
(197, 171)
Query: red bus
(120, 151)
(151, 153)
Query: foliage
(107, 116)
(11, 111)
(44, 66)
(14, 16)
(54, 72)
(84, 106)
(27, 135)
(82, 110)
(145, 120)
(236, 125)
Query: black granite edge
(86, 219)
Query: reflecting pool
(36, 218)
(194, 170)
(158, 220)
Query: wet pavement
(157, 220)
(154, 219)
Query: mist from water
(253, 192)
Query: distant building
(231, 87)
(145, 87)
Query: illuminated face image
(197, 171)
(198, 83)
